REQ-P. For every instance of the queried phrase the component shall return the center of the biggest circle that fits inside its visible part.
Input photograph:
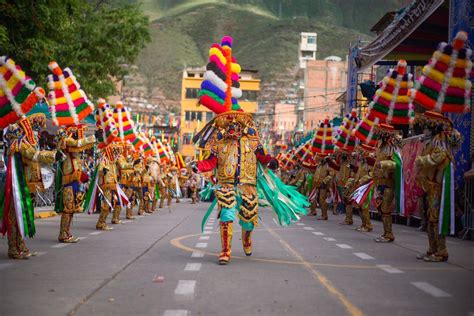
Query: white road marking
(59, 245)
(308, 228)
(197, 254)
(201, 245)
(344, 246)
(204, 237)
(4, 265)
(329, 238)
(81, 238)
(176, 312)
(300, 224)
(95, 233)
(430, 289)
(363, 256)
(207, 232)
(388, 268)
(192, 267)
(126, 222)
(40, 253)
(318, 233)
(185, 287)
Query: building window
(192, 93)
(209, 116)
(192, 116)
(307, 54)
(311, 39)
(187, 138)
(249, 95)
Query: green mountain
(266, 34)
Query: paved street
(162, 264)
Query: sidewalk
(44, 212)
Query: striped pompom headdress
(69, 104)
(124, 123)
(364, 130)
(444, 86)
(345, 139)
(322, 141)
(391, 104)
(104, 120)
(18, 93)
(220, 88)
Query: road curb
(47, 214)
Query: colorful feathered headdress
(323, 142)
(69, 104)
(220, 88)
(124, 123)
(391, 104)
(444, 86)
(344, 139)
(105, 123)
(18, 93)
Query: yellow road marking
(176, 242)
(351, 308)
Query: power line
(296, 110)
(298, 98)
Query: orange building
(195, 116)
(325, 80)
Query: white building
(307, 49)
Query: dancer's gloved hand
(273, 164)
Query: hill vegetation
(265, 32)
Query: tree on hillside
(96, 39)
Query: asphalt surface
(162, 264)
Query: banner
(412, 147)
(47, 176)
(461, 17)
(401, 27)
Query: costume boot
(13, 240)
(348, 220)
(226, 242)
(323, 204)
(102, 221)
(65, 235)
(141, 208)
(14, 252)
(387, 227)
(24, 250)
(430, 231)
(130, 213)
(441, 253)
(366, 223)
(247, 241)
(116, 215)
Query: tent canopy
(413, 34)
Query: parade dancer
(20, 95)
(435, 172)
(108, 185)
(69, 105)
(125, 170)
(362, 177)
(444, 87)
(236, 151)
(387, 179)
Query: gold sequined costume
(72, 142)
